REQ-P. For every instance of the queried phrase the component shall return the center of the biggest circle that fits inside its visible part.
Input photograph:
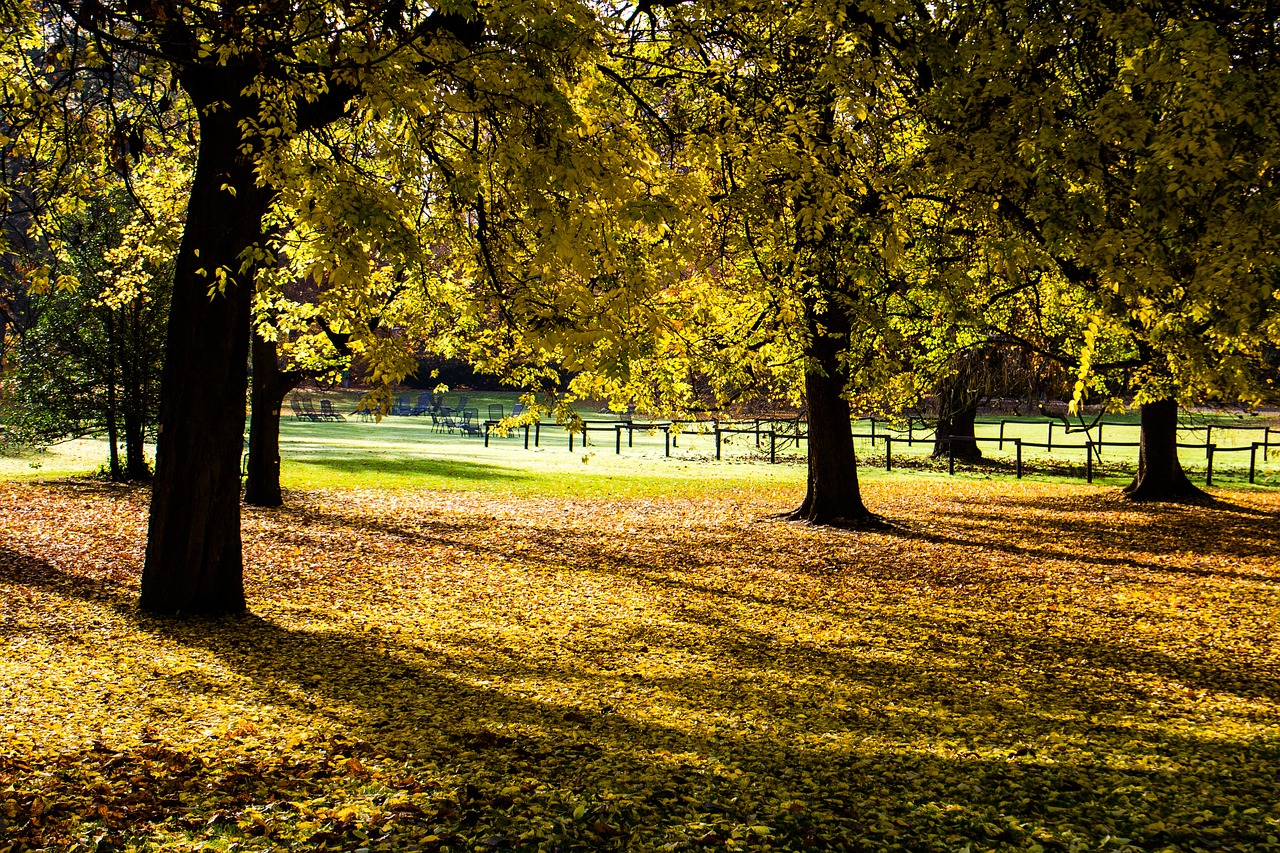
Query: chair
(309, 411)
(328, 412)
(401, 405)
(495, 411)
(517, 409)
(469, 422)
(424, 404)
(296, 408)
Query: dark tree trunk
(956, 427)
(1160, 476)
(113, 402)
(193, 562)
(113, 436)
(270, 385)
(135, 458)
(135, 413)
(832, 496)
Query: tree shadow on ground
(412, 466)
(1080, 529)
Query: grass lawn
(408, 453)
(629, 654)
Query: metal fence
(775, 439)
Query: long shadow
(1049, 528)
(1226, 529)
(411, 466)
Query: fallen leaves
(1008, 667)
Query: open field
(1011, 666)
(407, 452)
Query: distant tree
(89, 361)
(1136, 148)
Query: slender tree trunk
(956, 427)
(270, 385)
(135, 458)
(1160, 476)
(113, 435)
(113, 402)
(135, 415)
(193, 562)
(832, 496)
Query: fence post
(617, 440)
(1253, 460)
(911, 431)
(526, 436)
(1049, 444)
(1088, 461)
(717, 441)
(1208, 470)
(537, 434)
(773, 447)
(667, 434)
(951, 456)
(873, 432)
(631, 434)
(757, 433)
(1017, 443)
(888, 453)
(1002, 433)
(570, 438)
(486, 433)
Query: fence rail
(779, 434)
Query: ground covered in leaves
(1010, 666)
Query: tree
(1135, 147)
(266, 83)
(799, 119)
(90, 360)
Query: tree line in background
(851, 204)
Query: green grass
(70, 458)
(402, 453)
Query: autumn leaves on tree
(848, 201)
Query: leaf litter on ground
(1004, 667)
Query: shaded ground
(1011, 666)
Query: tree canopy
(842, 201)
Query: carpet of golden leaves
(1010, 666)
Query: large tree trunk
(956, 428)
(270, 385)
(1160, 476)
(832, 496)
(193, 562)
